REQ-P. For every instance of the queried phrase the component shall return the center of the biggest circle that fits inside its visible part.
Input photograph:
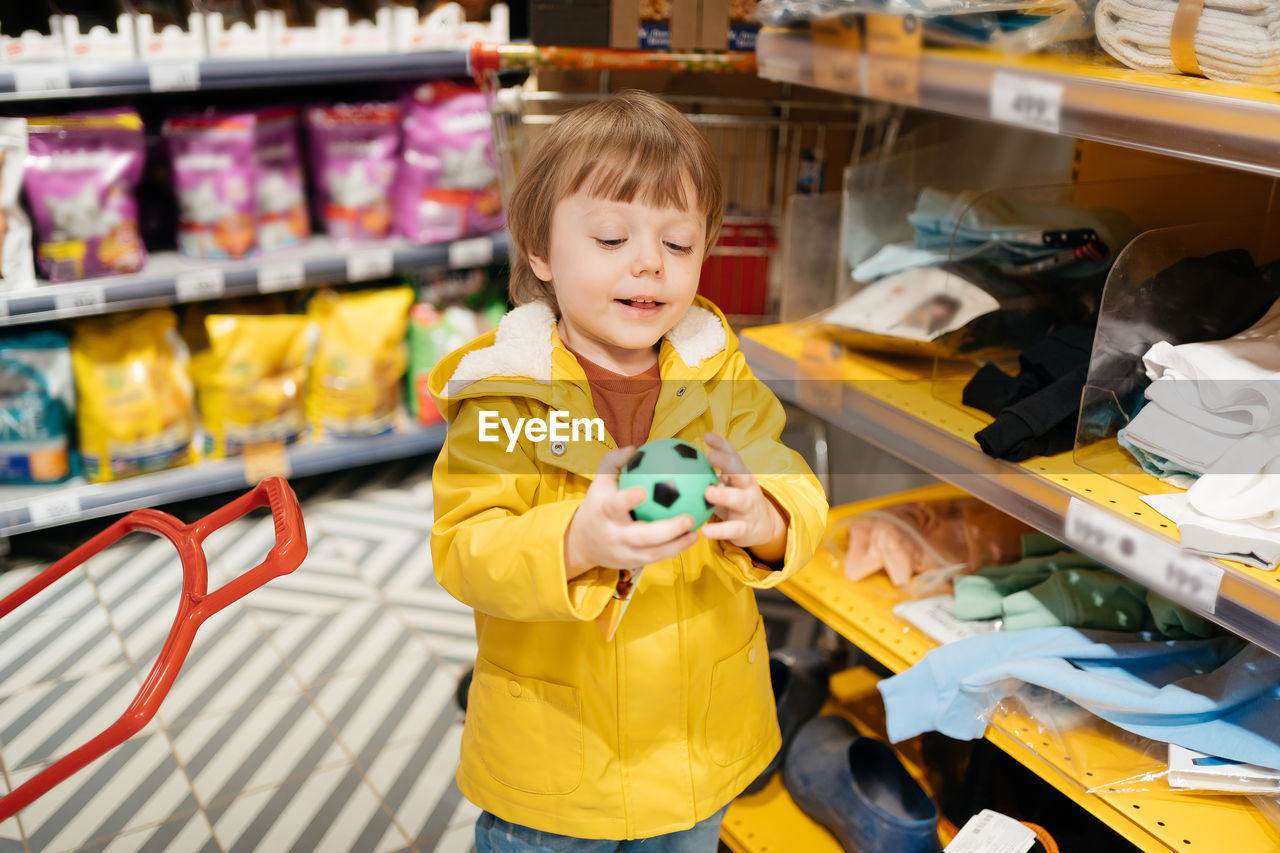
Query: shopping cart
(770, 148)
(196, 605)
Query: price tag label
(54, 509)
(895, 44)
(1025, 101)
(286, 275)
(41, 77)
(368, 264)
(475, 252)
(268, 459)
(4, 307)
(1151, 560)
(81, 300)
(992, 832)
(174, 76)
(838, 53)
(820, 380)
(200, 284)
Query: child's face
(623, 273)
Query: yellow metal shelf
(909, 409)
(1225, 124)
(1161, 820)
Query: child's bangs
(646, 175)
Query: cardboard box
(569, 23)
(32, 45)
(314, 39)
(169, 41)
(360, 35)
(629, 24)
(98, 43)
(446, 28)
(238, 39)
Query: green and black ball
(674, 474)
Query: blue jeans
(495, 835)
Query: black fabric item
(1035, 412)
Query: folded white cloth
(1230, 386)
(1213, 537)
(1243, 485)
(1189, 446)
(1236, 40)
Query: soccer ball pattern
(675, 474)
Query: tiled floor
(317, 714)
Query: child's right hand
(603, 533)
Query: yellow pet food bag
(136, 413)
(360, 361)
(250, 382)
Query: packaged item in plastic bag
(37, 398)
(447, 186)
(281, 195)
(250, 383)
(935, 538)
(16, 269)
(214, 178)
(81, 174)
(135, 412)
(433, 334)
(354, 151)
(354, 387)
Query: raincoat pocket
(741, 714)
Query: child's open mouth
(640, 304)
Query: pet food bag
(250, 382)
(354, 149)
(82, 171)
(282, 197)
(434, 334)
(360, 361)
(136, 412)
(37, 397)
(214, 177)
(448, 182)
(16, 269)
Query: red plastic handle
(195, 606)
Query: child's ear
(540, 268)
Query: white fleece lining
(522, 345)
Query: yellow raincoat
(565, 732)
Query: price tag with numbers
(80, 300)
(53, 509)
(174, 76)
(895, 44)
(367, 264)
(1026, 101)
(41, 77)
(194, 285)
(283, 275)
(475, 252)
(1151, 560)
(268, 459)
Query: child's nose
(648, 259)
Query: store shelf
(1087, 98)
(26, 508)
(1158, 820)
(170, 277)
(59, 80)
(899, 406)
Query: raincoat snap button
(751, 656)
(679, 392)
(513, 687)
(557, 447)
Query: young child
(640, 741)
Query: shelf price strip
(1026, 102)
(41, 77)
(173, 76)
(200, 284)
(1151, 560)
(54, 509)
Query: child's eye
(677, 248)
(610, 244)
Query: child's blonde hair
(628, 147)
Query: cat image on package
(213, 174)
(354, 151)
(81, 174)
(281, 194)
(16, 269)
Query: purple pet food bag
(448, 182)
(214, 178)
(354, 150)
(82, 170)
(282, 195)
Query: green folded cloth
(1081, 598)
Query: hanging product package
(214, 177)
(136, 413)
(434, 334)
(447, 186)
(82, 171)
(37, 398)
(250, 383)
(930, 539)
(281, 184)
(16, 270)
(354, 389)
(354, 149)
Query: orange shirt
(624, 403)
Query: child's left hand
(748, 519)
